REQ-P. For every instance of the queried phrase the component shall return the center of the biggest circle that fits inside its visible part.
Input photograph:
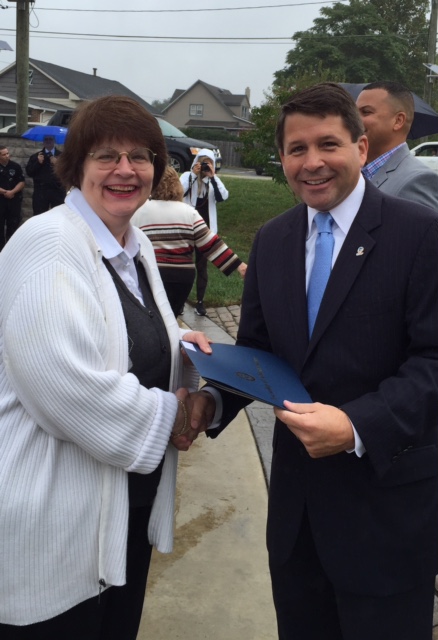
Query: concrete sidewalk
(215, 585)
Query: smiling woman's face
(115, 193)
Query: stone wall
(21, 149)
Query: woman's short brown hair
(115, 118)
(169, 187)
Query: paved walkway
(227, 318)
(215, 585)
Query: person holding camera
(47, 190)
(203, 189)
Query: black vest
(149, 353)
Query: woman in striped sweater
(175, 229)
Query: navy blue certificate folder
(248, 372)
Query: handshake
(195, 414)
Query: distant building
(208, 107)
(52, 87)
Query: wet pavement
(215, 585)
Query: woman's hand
(199, 338)
(182, 435)
(242, 269)
(197, 168)
(195, 414)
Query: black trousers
(201, 263)
(309, 608)
(177, 291)
(46, 197)
(116, 614)
(10, 217)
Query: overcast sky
(152, 67)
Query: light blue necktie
(321, 267)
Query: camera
(205, 166)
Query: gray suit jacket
(405, 176)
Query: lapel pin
(360, 251)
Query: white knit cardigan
(73, 421)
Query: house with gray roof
(52, 87)
(208, 107)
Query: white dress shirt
(343, 216)
(121, 258)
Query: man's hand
(182, 434)
(324, 430)
(40, 157)
(202, 407)
(8, 194)
(195, 417)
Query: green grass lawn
(250, 204)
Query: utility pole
(22, 63)
(431, 48)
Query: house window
(197, 110)
(245, 112)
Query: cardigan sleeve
(56, 347)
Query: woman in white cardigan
(94, 401)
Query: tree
(159, 105)
(258, 147)
(363, 41)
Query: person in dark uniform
(47, 190)
(11, 186)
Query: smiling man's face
(320, 161)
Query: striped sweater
(175, 229)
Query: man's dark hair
(401, 95)
(2, 147)
(322, 100)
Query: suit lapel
(354, 254)
(383, 174)
(293, 259)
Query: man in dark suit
(387, 111)
(353, 500)
(48, 192)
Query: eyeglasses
(110, 158)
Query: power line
(142, 38)
(196, 39)
(166, 41)
(275, 6)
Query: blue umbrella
(39, 132)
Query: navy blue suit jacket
(374, 354)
